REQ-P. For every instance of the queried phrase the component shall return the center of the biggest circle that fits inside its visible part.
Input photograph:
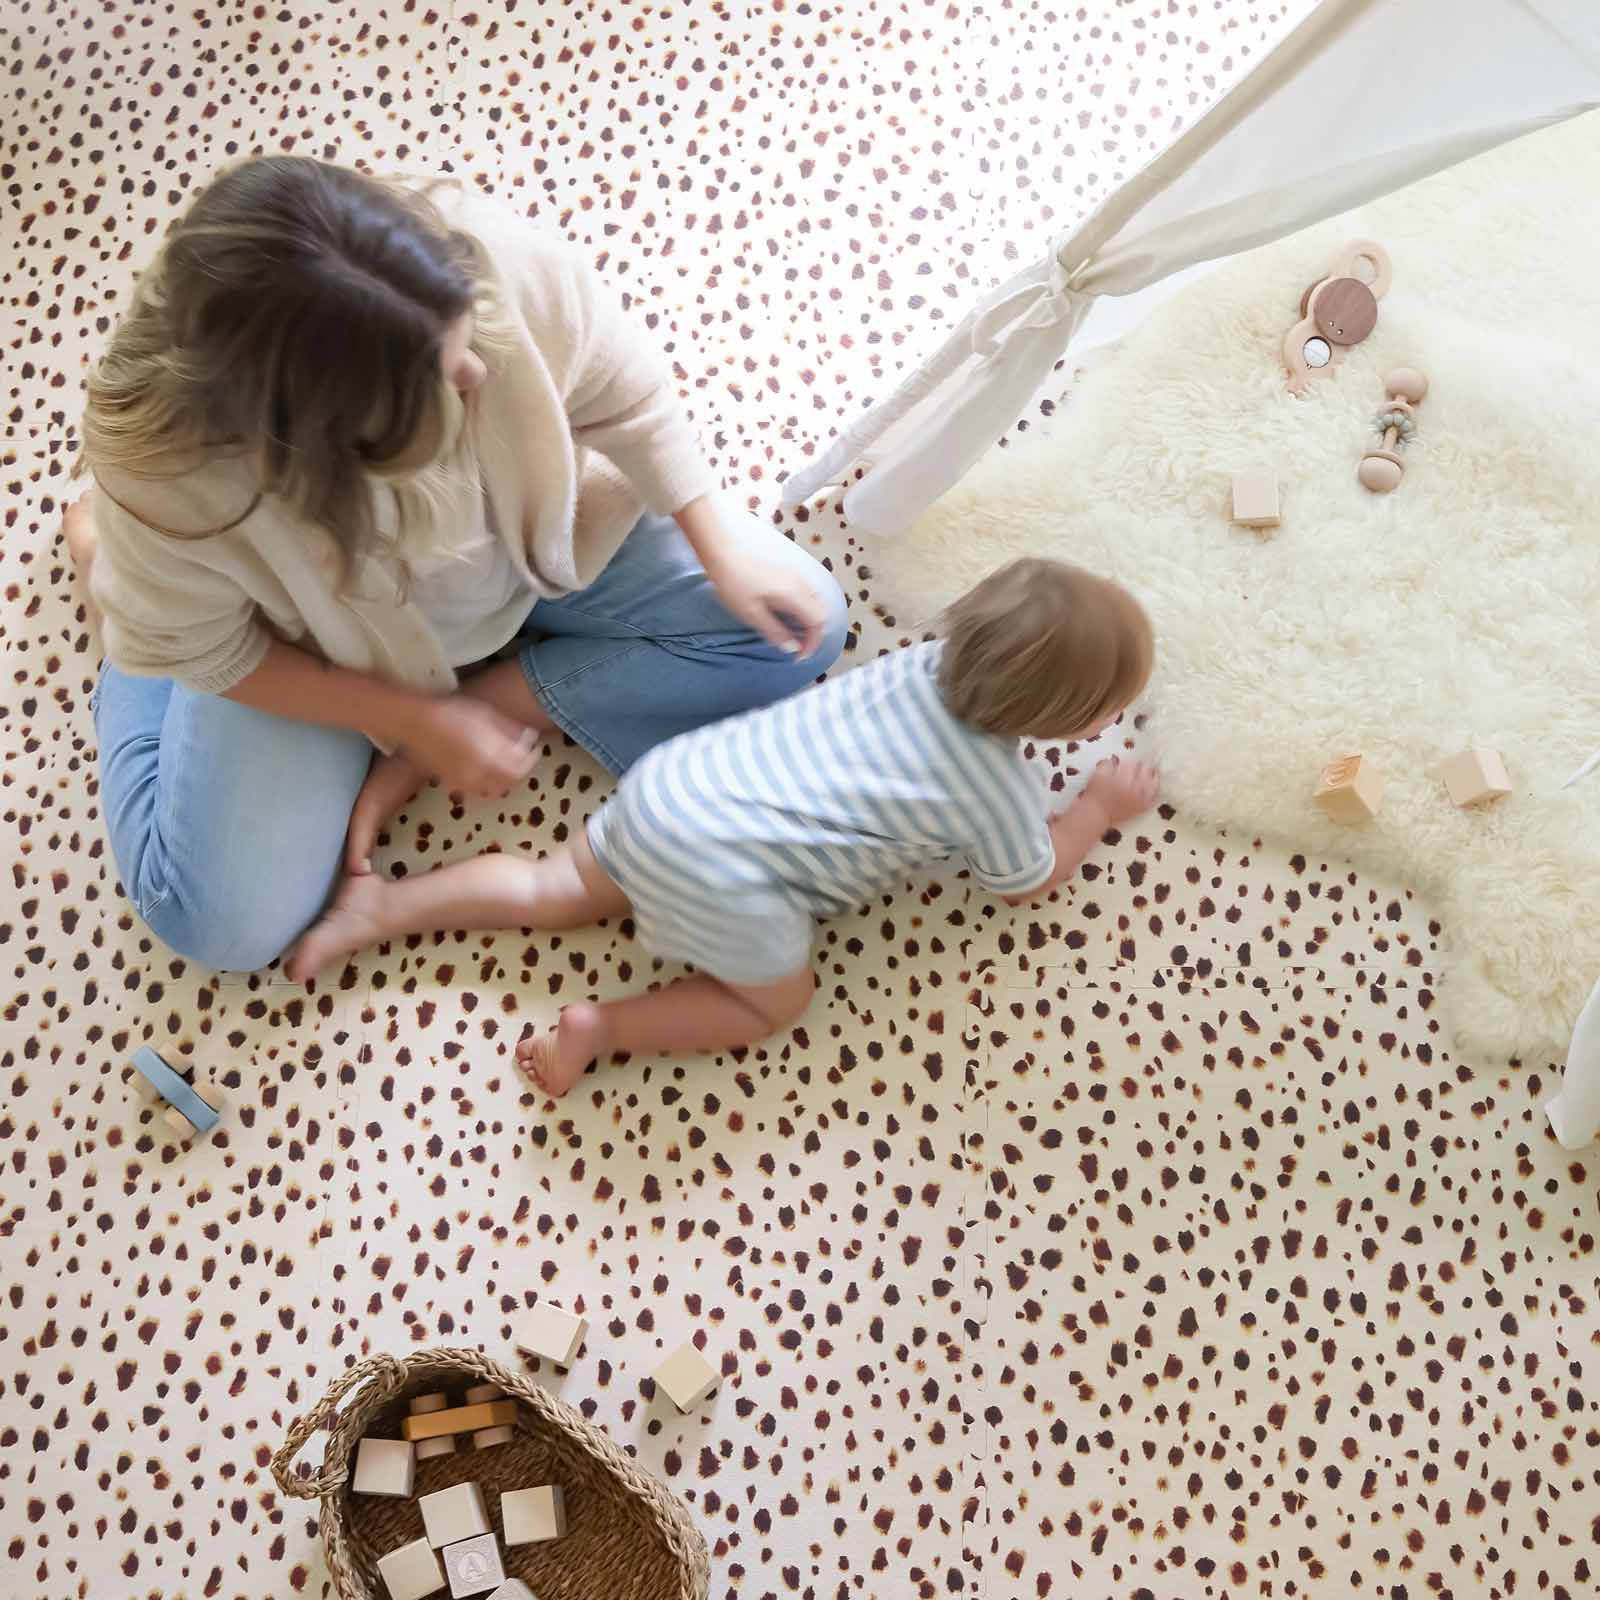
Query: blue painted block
(175, 1089)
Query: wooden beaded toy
(1382, 467)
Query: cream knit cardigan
(578, 431)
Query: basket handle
(386, 1370)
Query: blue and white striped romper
(730, 839)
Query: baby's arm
(1116, 793)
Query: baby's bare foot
(77, 528)
(556, 1060)
(355, 920)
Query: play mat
(1150, 1243)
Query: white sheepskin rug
(1458, 609)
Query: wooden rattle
(1383, 467)
(1337, 311)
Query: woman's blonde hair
(1044, 648)
(294, 317)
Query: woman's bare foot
(354, 921)
(556, 1061)
(77, 528)
(391, 781)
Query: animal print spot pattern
(1148, 1243)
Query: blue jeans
(228, 824)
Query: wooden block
(473, 1566)
(1475, 777)
(480, 1393)
(529, 1516)
(461, 1419)
(1255, 498)
(687, 1377)
(1350, 789)
(553, 1334)
(513, 1589)
(445, 1444)
(385, 1466)
(411, 1572)
(451, 1515)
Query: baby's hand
(1122, 789)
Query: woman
(349, 438)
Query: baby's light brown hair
(1043, 648)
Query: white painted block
(411, 1572)
(451, 1515)
(385, 1466)
(530, 1516)
(687, 1377)
(553, 1334)
(473, 1566)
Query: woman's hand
(468, 746)
(763, 591)
(771, 597)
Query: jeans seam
(569, 725)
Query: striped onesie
(730, 839)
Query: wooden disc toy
(1345, 311)
(1339, 310)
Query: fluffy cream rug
(1457, 609)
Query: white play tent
(1364, 97)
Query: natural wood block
(1350, 789)
(385, 1466)
(473, 1566)
(513, 1589)
(479, 1393)
(461, 1419)
(1475, 777)
(553, 1334)
(531, 1515)
(423, 1403)
(451, 1515)
(411, 1572)
(687, 1377)
(1255, 498)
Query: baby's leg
(691, 1014)
(566, 889)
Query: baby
(726, 842)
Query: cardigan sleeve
(164, 614)
(616, 387)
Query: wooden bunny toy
(1337, 311)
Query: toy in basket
(556, 1509)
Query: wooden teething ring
(1337, 311)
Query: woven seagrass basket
(627, 1537)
